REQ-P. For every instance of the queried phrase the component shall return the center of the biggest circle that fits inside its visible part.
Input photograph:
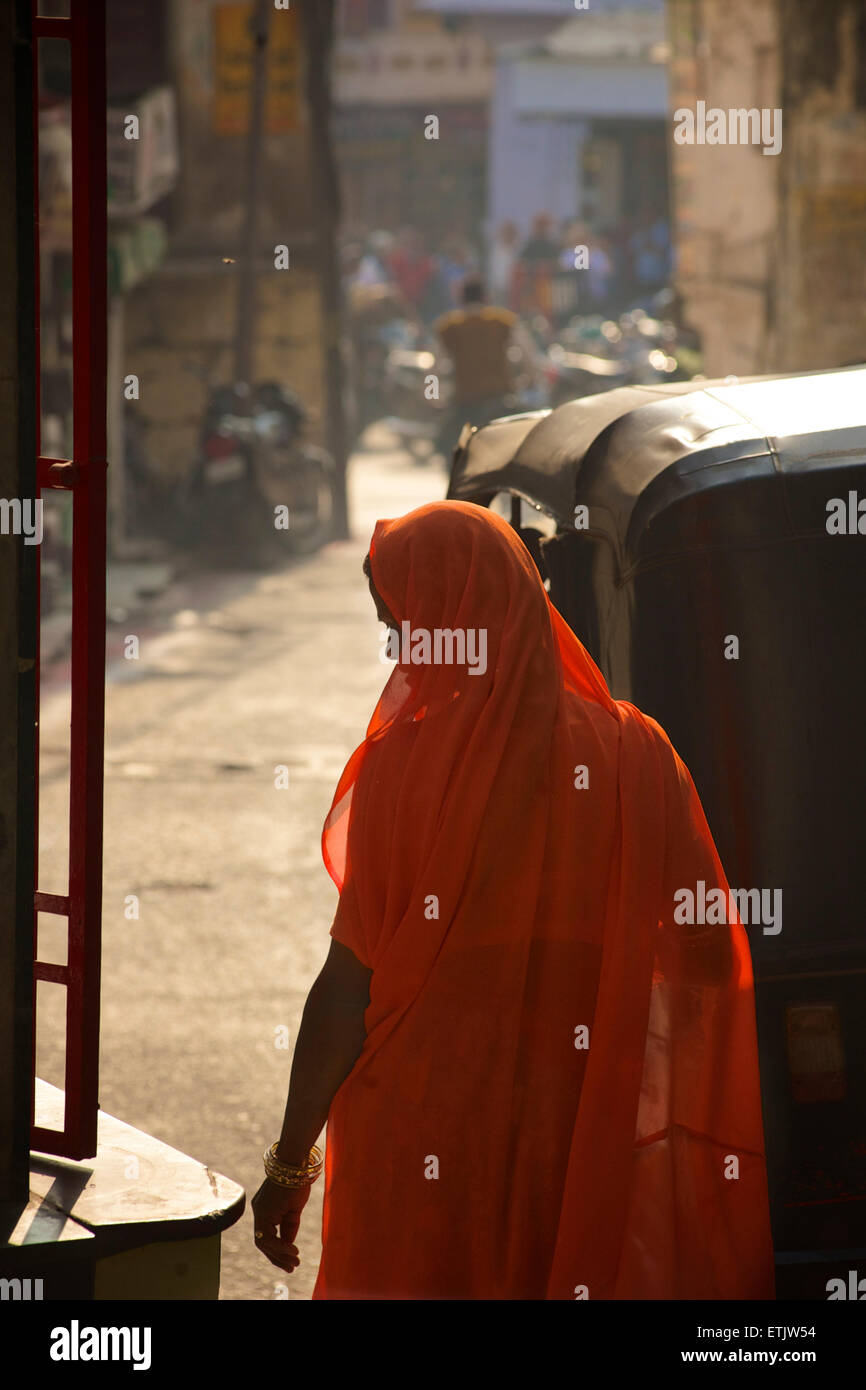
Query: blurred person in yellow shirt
(488, 348)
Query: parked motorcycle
(380, 322)
(593, 354)
(412, 412)
(253, 462)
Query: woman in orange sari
(537, 1084)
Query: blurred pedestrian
(455, 263)
(413, 269)
(373, 266)
(536, 266)
(599, 275)
(649, 246)
(501, 263)
(480, 339)
(541, 246)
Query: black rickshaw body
(718, 577)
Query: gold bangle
(287, 1174)
(312, 1163)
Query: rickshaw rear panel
(707, 580)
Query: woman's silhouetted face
(383, 612)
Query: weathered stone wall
(772, 266)
(175, 320)
(724, 197)
(208, 204)
(186, 312)
(819, 313)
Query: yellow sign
(233, 69)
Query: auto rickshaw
(707, 543)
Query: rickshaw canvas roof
(605, 450)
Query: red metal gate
(84, 476)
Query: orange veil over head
(558, 1096)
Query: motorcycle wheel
(420, 448)
(313, 521)
(301, 478)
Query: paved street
(237, 675)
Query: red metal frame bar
(85, 477)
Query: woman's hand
(277, 1215)
(330, 1040)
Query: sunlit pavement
(251, 673)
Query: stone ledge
(135, 1192)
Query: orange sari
(558, 1096)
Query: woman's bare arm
(329, 1043)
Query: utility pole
(317, 21)
(246, 302)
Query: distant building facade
(578, 125)
(399, 62)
